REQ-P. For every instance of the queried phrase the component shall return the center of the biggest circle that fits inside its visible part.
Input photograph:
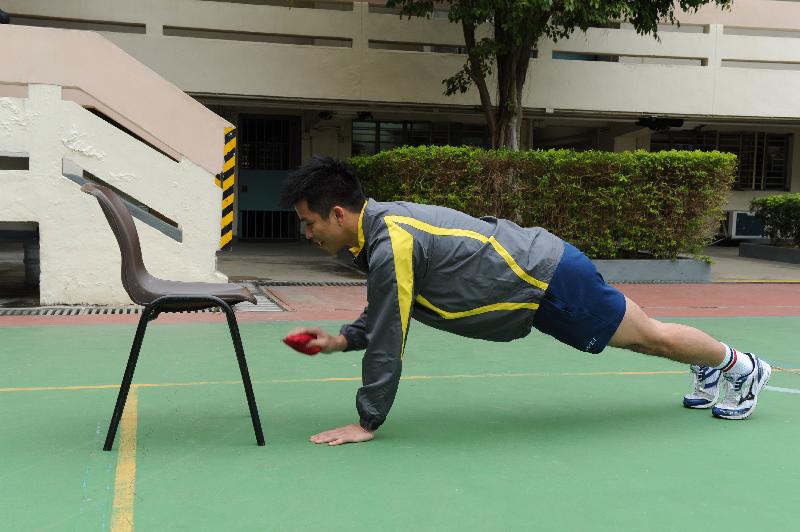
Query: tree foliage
(780, 215)
(517, 26)
(611, 205)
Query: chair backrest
(119, 218)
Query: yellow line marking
(226, 238)
(346, 379)
(125, 476)
(355, 379)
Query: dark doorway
(19, 264)
(269, 148)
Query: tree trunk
(508, 118)
(474, 72)
(512, 69)
(522, 60)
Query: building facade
(338, 77)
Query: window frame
(752, 169)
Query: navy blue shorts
(579, 308)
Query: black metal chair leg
(127, 378)
(248, 387)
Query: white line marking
(784, 390)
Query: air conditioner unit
(743, 225)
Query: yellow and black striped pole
(227, 180)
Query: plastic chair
(158, 295)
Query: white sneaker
(706, 387)
(742, 394)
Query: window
(576, 56)
(370, 137)
(265, 143)
(763, 157)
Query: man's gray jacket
(481, 278)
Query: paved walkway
(303, 261)
(293, 261)
(728, 266)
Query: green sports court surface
(528, 435)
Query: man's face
(328, 233)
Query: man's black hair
(323, 182)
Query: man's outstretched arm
(390, 293)
(356, 333)
(327, 343)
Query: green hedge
(611, 205)
(780, 215)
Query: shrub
(780, 215)
(610, 204)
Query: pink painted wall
(762, 14)
(140, 97)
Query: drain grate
(264, 303)
(312, 283)
(77, 311)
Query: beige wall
(43, 92)
(358, 73)
(80, 261)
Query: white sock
(735, 362)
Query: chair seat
(151, 288)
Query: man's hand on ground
(326, 342)
(353, 433)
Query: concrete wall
(80, 260)
(354, 71)
(44, 90)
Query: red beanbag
(298, 343)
